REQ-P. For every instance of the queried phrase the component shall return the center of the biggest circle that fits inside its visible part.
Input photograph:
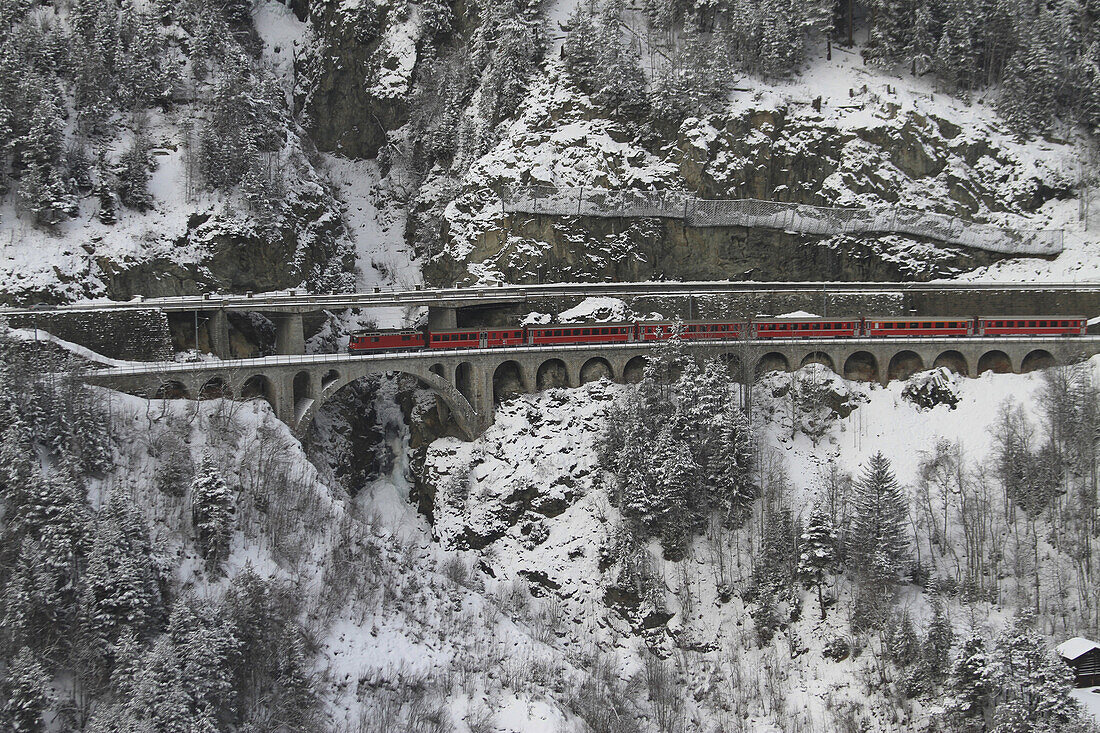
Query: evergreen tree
(776, 564)
(26, 694)
(958, 56)
(969, 687)
(921, 48)
(580, 49)
(879, 536)
(937, 643)
(891, 29)
(620, 80)
(133, 175)
(207, 651)
(121, 591)
(676, 479)
(1033, 76)
(818, 558)
(211, 514)
(1032, 683)
(900, 642)
(732, 467)
(296, 700)
(42, 188)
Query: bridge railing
(802, 218)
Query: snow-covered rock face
(933, 387)
(909, 148)
(537, 461)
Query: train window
(587, 332)
(1031, 324)
(604, 331)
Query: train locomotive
(565, 334)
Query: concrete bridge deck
(469, 382)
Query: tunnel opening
(172, 390)
(464, 380)
(331, 377)
(215, 388)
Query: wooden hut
(1083, 657)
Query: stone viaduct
(469, 383)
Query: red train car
(475, 338)
(806, 328)
(879, 327)
(1032, 325)
(654, 330)
(712, 330)
(592, 333)
(405, 340)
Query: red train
(769, 328)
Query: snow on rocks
(933, 387)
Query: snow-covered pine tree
(969, 688)
(677, 474)
(893, 22)
(212, 511)
(297, 701)
(958, 55)
(26, 694)
(732, 467)
(878, 542)
(818, 556)
(879, 535)
(1032, 684)
(133, 175)
(899, 640)
(937, 643)
(922, 42)
(42, 188)
(1033, 75)
(208, 653)
(580, 53)
(776, 562)
(120, 587)
(621, 82)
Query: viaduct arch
(469, 385)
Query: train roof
(1047, 317)
(476, 329)
(387, 332)
(580, 325)
(807, 319)
(919, 318)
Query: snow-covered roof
(1075, 647)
